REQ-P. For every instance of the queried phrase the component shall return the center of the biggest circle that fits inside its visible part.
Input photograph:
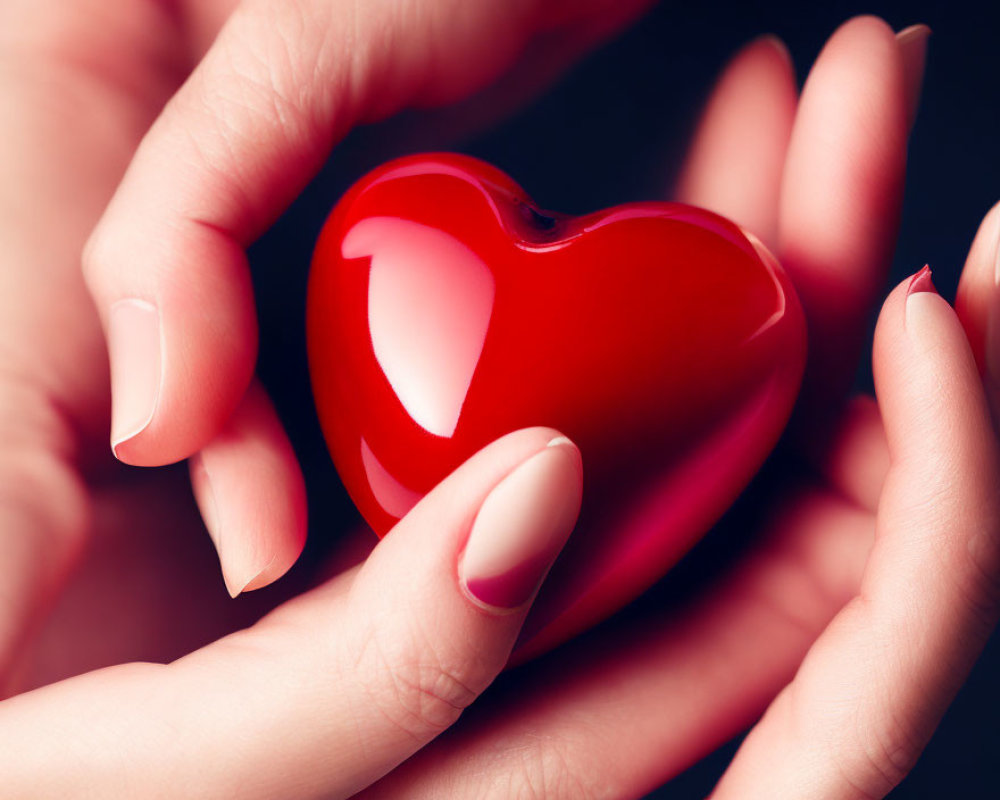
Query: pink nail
(921, 282)
(521, 528)
(134, 346)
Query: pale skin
(891, 549)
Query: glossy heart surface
(446, 309)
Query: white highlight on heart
(430, 299)
(394, 498)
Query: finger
(841, 194)
(978, 302)
(857, 463)
(738, 152)
(913, 49)
(44, 512)
(631, 705)
(347, 684)
(543, 61)
(252, 125)
(875, 684)
(252, 495)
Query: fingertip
(892, 318)
(921, 281)
(520, 528)
(923, 306)
(236, 584)
(841, 196)
(737, 154)
(864, 41)
(865, 25)
(979, 286)
(912, 43)
(773, 45)
(251, 493)
(922, 363)
(569, 449)
(134, 346)
(480, 523)
(182, 336)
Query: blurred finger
(44, 512)
(252, 495)
(737, 155)
(841, 195)
(857, 462)
(978, 302)
(874, 686)
(913, 48)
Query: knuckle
(271, 58)
(411, 686)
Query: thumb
(440, 602)
(335, 688)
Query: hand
(79, 86)
(254, 122)
(329, 692)
(888, 630)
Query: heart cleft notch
(537, 226)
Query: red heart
(446, 310)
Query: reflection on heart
(427, 346)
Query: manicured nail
(134, 347)
(918, 289)
(913, 49)
(921, 282)
(236, 584)
(521, 527)
(244, 568)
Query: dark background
(614, 130)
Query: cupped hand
(281, 83)
(245, 100)
(871, 585)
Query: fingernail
(205, 496)
(921, 282)
(521, 527)
(258, 577)
(134, 348)
(993, 321)
(913, 49)
(919, 287)
(242, 570)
